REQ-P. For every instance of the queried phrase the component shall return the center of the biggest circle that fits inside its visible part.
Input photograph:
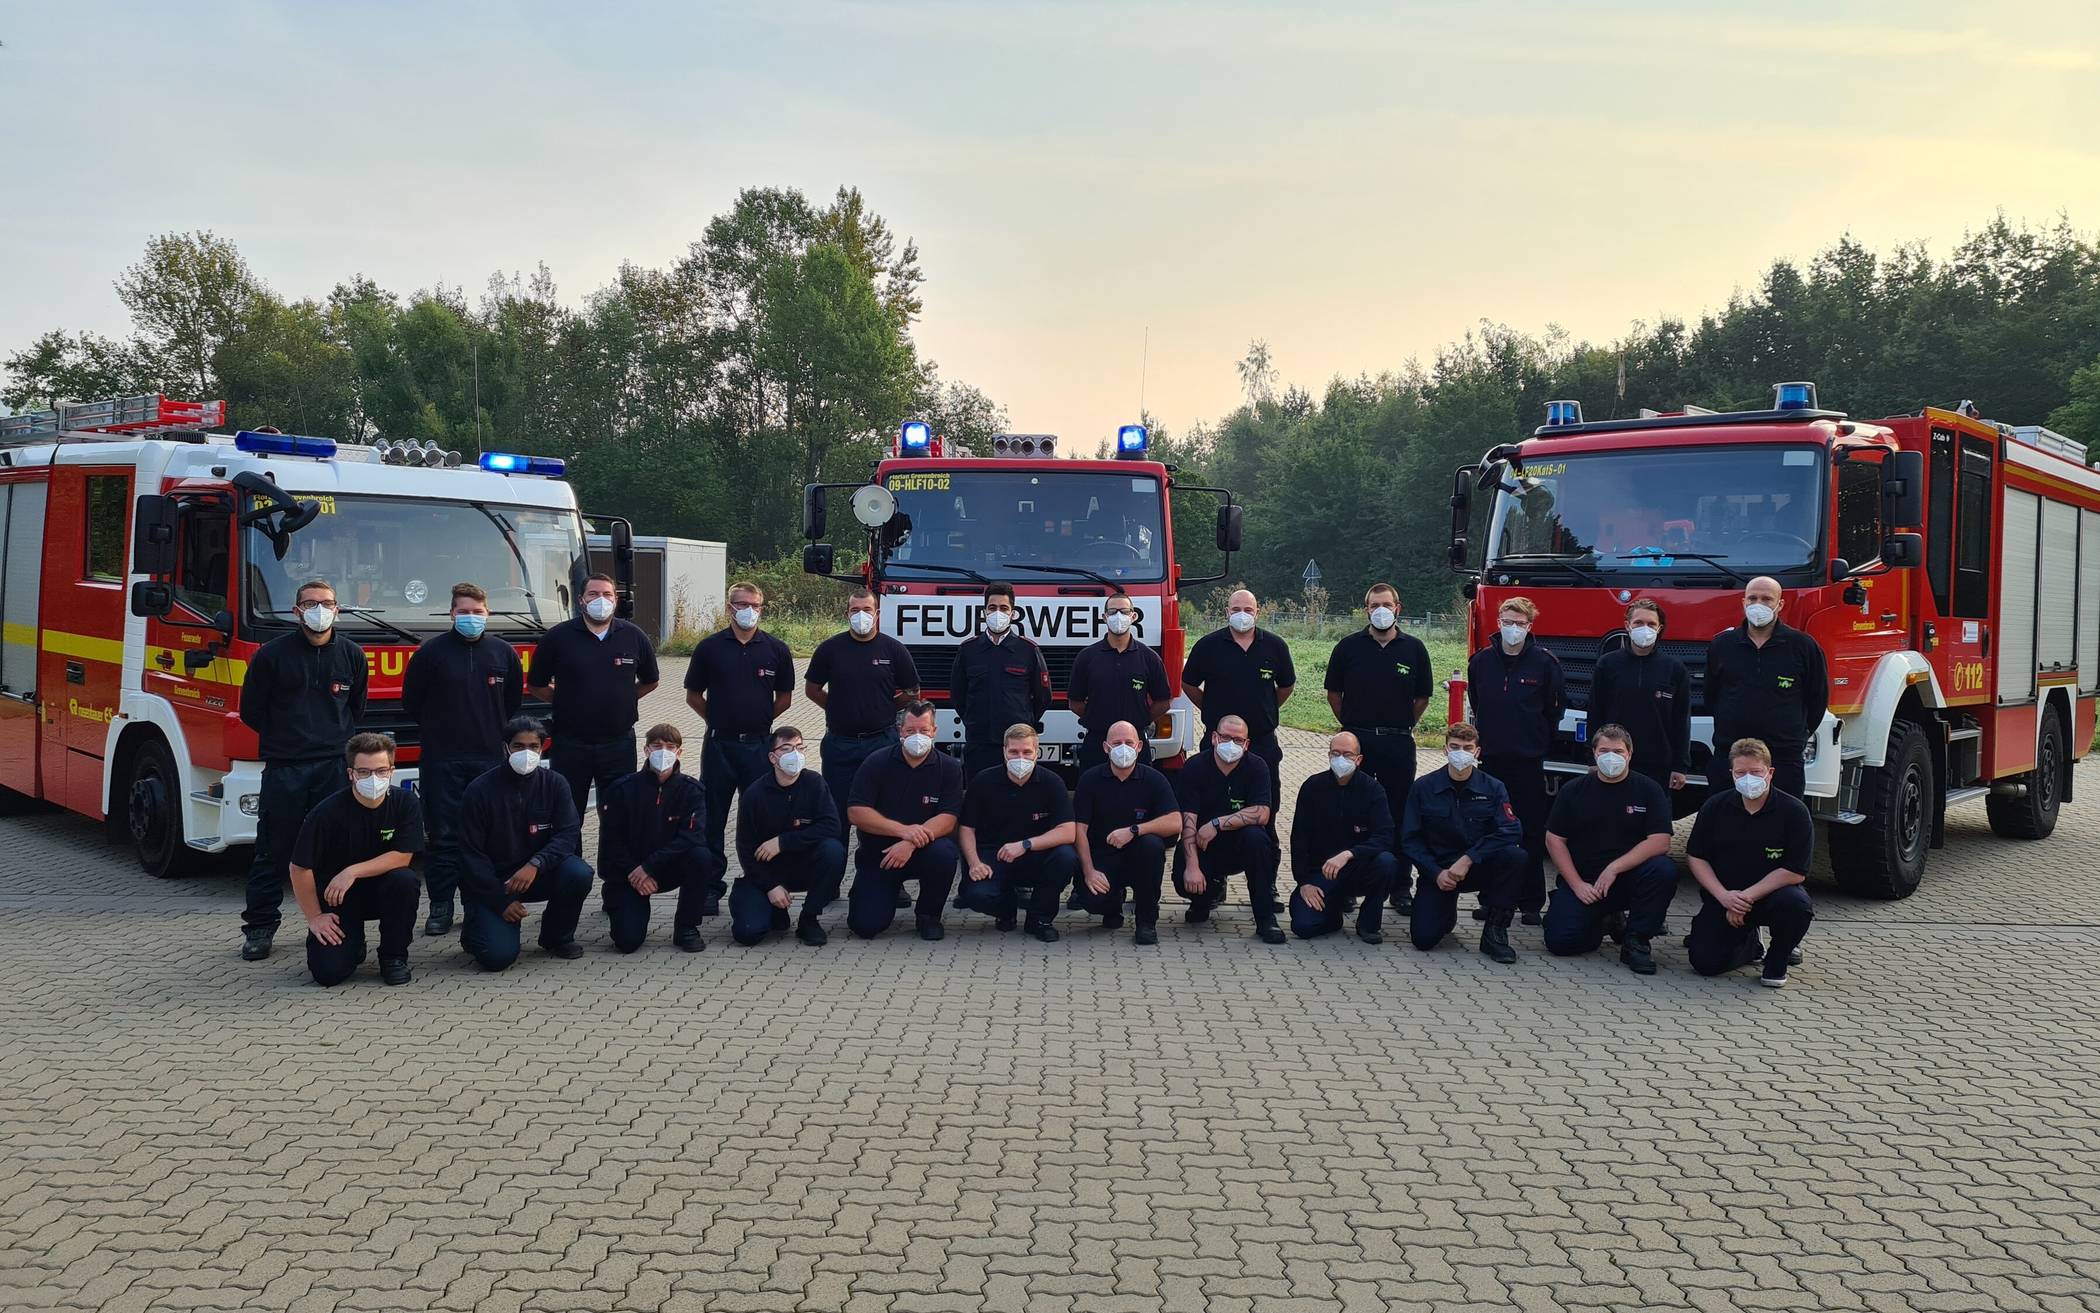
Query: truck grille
(1579, 656)
(936, 665)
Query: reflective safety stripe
(85, 646)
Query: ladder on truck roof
(120, 417)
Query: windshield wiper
(1568, 563)
(379, 620)
(510, 540)
(1715, 561)
(941, 569)
(538, 625)
(1079, 570)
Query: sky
(1111, 200)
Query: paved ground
(992, 1123)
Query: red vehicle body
(1948, 567)
(144, 562)
(1064, 533)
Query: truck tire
(153, 812)
(1884, 855)
(2031, 814)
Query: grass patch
(1308, 709)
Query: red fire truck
(1948, 566)
(942, 523)
(143, 560)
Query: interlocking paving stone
(993, 1123)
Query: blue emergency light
(1794, 396)
(916, 438)
(283, 444)
(1131, 440)
(506, 462)
(1562, 413)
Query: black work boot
(1635, 954)
(1494, 939)
(1270, 932)
(393, 970)
(439, 921)
(1042, 930)
(1615, 927)
(930, 928)
(1147, 935)
(812, 933)
(255, 943)
(688, 939)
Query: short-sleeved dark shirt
(1240, 683)
(1117, 686)
(1209, 792)
(861, 678)
(1744, 848)
(342, 832)
(594, 678)
(1603, 822)
(1003, 812)
(1379, 682)
(740, 679)
(1103, 803)
(904, 793)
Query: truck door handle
(76, 672)
(165, 660)
(1986, 640)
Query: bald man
(1242, 670)
(1342, 846)
(1765, 680)
(1127, 816)
(1228, 809)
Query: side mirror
(813, 518)
(152, 600)
(1902, 551)
(1902, 489)
(621, 534)
(817, 558)
(153, 538)
(1840, 570)
(222, 620)
(1229, 525)
(1461, 508)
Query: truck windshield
(398, 559)
(1755, 510)
(987, 520)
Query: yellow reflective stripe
(26, 635)
(85, 646)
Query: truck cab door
(203, 695)
(81, 667)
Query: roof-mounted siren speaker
(1794, 396)
(1561, 414)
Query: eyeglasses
(371, 772)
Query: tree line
(697, 399)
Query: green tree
(2080, 416)
(188, 296)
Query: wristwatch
(1136, 833)
(1027, 845)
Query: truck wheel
(2031, 814)
(1884, 855)
(153, 812)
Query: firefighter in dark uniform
(652, 836)
(599, 668)
(1378, 684)
(461, 687)
(1460, 833)
(1750, 850)
(1017, 835)
(1126, 815)
(351, 865)
(1517, 693)
(788, 842)
(1765, 680)
(860, 678)
(740, 680)
(1000, 680)
(1342, 838)
(1116, 679)
(906, 802)
(1244, 671)
(1609, 838)
(520, 842)
(1228, 817)
(1649, 692)
(303, 696)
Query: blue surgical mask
(469, 625)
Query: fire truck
(1948, 566)
(143, 560)
(942, 523)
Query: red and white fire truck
(1948, 566)
(143, 560)
(942, 523)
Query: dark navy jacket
(1447, 820)
(1517, 700)
(507, 820)
(801, 816)
(658, 825)
(460, 693)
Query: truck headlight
(251, 804)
